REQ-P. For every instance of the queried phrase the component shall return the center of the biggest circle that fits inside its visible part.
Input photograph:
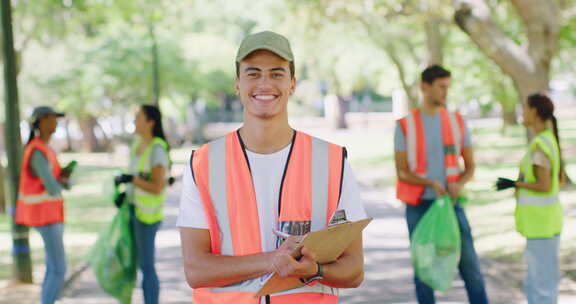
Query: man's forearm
(211, 270)
(412, 178)
(466, 176)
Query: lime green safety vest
(539, 214)
(148, 206)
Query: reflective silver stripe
(255, 284)
(244, 286)
(452, 171)
(147, 210)
(38, 198)
(318, 288)
(531, 200)
(218, 191)
(411, 142)
(320, 167)
(456, 133)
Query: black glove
(119, 199)
(504, 183)
(124, 178)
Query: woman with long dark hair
(40, 202)
(538, 210)
(146, 183)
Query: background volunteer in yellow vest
(147, 181)
(265, 81)
(40, 201)
(538, 210)
(428, 164)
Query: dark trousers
(469, 266)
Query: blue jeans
(145, 236)
(469, 266)
(52, 235)
(543, 276)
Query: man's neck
(265, 137)
(429, 108)
(45, 137)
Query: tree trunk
(90, 142)
(528, 64)
(69, 147)
(2, 192)
(341, 113)
(22, 263)
(434, 41)
(410, 87)
(527, 85)
(509, 117)
(155, 66)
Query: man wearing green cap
(249, 197)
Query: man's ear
(237, 87)
(292, 85)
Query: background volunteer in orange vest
(40, 202)
(428, 144)
(146, 183)
(273, 159)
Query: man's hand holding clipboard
(322, 246)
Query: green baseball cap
(266, 40)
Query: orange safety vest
(35, 206)
(309, 192)
(453, 139)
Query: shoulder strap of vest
(344, 157)
(145, 156)
(38, 144)
(192, 167)
(544, 143)
(460, 121)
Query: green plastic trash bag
(436, 245)
(113, 258)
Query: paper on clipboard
(328, 244)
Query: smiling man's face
(264, 85)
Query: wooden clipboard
(328, 244)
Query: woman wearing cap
(149, 165)
(40, 203)
(538, 210)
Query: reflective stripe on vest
(39, 198)
(539, 214)
(452, 127)
(310, 192)
(35, 206)
(148, 205)
(537, 200)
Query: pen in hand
(281, 234)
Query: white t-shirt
(267, 170)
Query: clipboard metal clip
(339, 217)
